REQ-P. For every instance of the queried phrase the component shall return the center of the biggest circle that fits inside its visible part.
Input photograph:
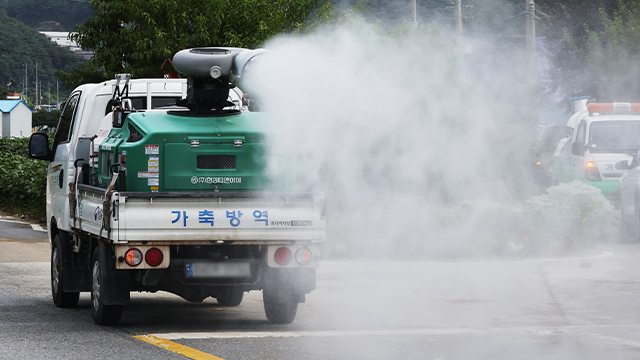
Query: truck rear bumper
(174, 280)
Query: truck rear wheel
(231, 298)
(60, 297)
(102, 314)
(280, 307)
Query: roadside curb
(35, 227)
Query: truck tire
(280, 307)
(60, 297)
(231, 298)
(102, 314)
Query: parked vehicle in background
(548, 138)
(604, 134)
(629, 197)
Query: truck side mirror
(39, 147)
(578, 149)
(623, 165)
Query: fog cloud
(418, 152)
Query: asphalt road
(579, 306)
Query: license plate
(218, 270)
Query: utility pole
(459, 36)
(26, 82)
(415, 13)
(36, 103)
(531, 30)
(531, 70)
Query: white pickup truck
(176, 192)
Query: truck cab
(80, 120)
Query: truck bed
(205, 217)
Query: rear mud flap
(115, 283)
(75, 277)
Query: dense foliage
(22, 179)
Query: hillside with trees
(48, 15)
(20, 46)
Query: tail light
(283, 256)
(133, 257)
(154, 257)
(142, 256)
(591, 172)
(303, 256)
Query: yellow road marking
(177, 348)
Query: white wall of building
(18, 122)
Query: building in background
(16, 119)
(62, 39)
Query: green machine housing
(177, 151)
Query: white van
(604, 134)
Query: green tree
(48, 118)
(613, 54)
(569, 45)
(137, 36)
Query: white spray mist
(419, 155)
